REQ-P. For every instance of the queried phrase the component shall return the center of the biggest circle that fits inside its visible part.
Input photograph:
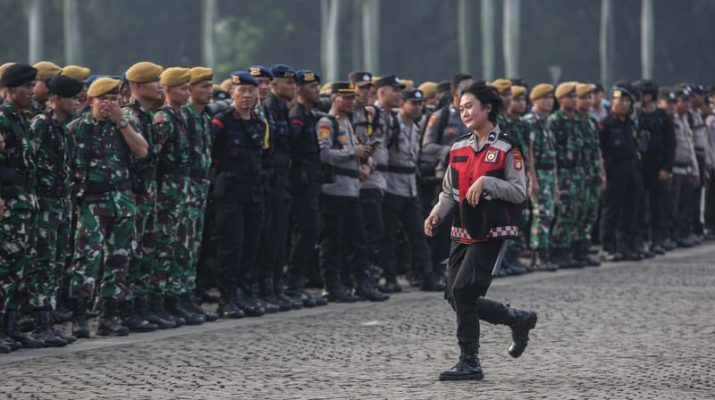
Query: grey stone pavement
(622, 331)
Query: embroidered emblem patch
(491, 156)
(325, 132)
(518, 160)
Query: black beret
(64, 86)
(444, 86)
(18, 75)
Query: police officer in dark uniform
(237, 148)
(657, 131)
(306, 176)
(623, 172)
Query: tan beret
(565, 88)
(216, 87)
(175, 76)
(4, 67)
(46, 70)
(407, 83)
(103, 86)
(501, 85)
(541, 90)
(144, 71)
(583, 89)
(200, 74)
(76, 72)
(518, 91)
(429, 89)
(327, 88)
(226, 85)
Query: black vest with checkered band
(466, 165)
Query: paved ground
(622, 331)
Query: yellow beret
(103, 86)
(583, 89)
(501, 85)
(407, 83)
(541, 90)
(216, 87)
(327, 88)
(46, 70)
(564, 89)
(76, 72)
(175, 76)
(200, 74)
(429, 89)
(518, 91)
(144, 71)
(4, 67)
(226, 85)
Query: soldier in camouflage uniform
(594, 175)
(173, 181)
(569, 143)
(17, 167)
(105, 236)
(542, 174)
(53, 161)
(199, 126)
(145, 278)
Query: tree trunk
(647, 40)
(209, 11)
(72, 32)
(511, 35)
(488, 39)
(371, 35)
(606, 43)
(35, 25)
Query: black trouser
(371, 203)
(658, 221)
(470, 267)
(239, 223)
(697, 199)
(342, 232)
(710, 204)
(682, 202)
(621, 210)
(408, 211)
(274, 240)
(305, 217)
(206, 276)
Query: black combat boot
(303, 296)
(190, 302)
(109, 322)
(279, 289)
(268, 295)
(368, 289)
(336, 292)
(468, 366)
(80, 325)
(12, 330)
(156, 307)
(43, 329)
(391, 285)
(520, 322)
(229, 309)
(544, 261)
(142, 307)
(581, 254)
(175, 308)
(5, 340)
(132, 320)
(246, 300)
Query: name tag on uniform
(491, 156)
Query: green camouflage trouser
(144, 276)
(543, 210)
(104, 244)
(568, 208)
(591, 203)
(172, 241)
(197, 206)
(16, 250)
(48, 268)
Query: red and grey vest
(466, 166)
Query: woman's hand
(475, 191)
(430, 223)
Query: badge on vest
(492, 156)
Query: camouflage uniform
(569, 142)
(105, 235)
(592, 166)
(543, 144)
(172, 242)
(199, 127)
(144, 276)
(54, 173)
(16, 240)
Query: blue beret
(243, 78)
(259, 71)
(305, 76)
(282, 71)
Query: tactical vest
(237, 148)
(280, 132)
(466, 166)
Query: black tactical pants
(274, 240)
(305, 233)
(408, 211)
(621, 210)
(371, 203)
(682, 206)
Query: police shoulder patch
(518, 160)
(324, 130)
(491, 156)
(432, 120)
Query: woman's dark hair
(486, 95)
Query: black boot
(132, 320)
(336, 292)
(391, 285)
(176, 308)
(12, 330)
(581, 255)
(520, 322)
(228, 309)
(43, 330)
(156, 307)
(249, 303)
(268, 295)
(6, 341)
(467, 368)
(191, 304)
(368, 289)
(431, 283)
(109, 322)
(142, 307)
(279, 289)
(80, 325)
(543, 261)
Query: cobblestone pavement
(622, 331)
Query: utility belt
(682, 169)
(399, 169)
(352, 173)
